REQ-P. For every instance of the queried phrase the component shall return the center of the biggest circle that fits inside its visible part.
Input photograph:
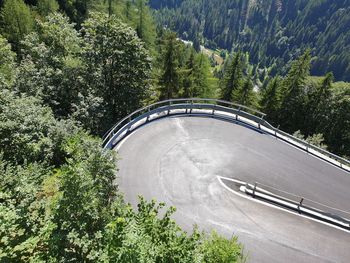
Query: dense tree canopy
(16, 20)
(274, 32)
(59, 201)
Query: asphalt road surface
(177, 160)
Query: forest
(70, 69)
(274, 32)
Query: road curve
(177, 160)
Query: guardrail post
(213, 109)
(254, 189)
(169, 107)
(300, 204)
(191, 106)
(276, 129)
(239, 109)
(307, 146)
(147, 119)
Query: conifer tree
(318, 106)
(145, 27)
(245, 95)
(197, 43)
(170, 77)
(200, 77)
(188, 79)
(271, 100)
(46, 7)
(232, 78)
(293, 101)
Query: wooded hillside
(274, 32)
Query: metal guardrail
(217, 109)
(299, 204)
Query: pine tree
(188, 79)
(293, 100)
(17, 22)
(245, 94)
(271, 100)
(233, 78)
(318, 106)
(197, 43)
(46, 7)
(200, 77)
(170, 77)
(145, 27)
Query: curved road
(177, 160)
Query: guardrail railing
(299, 204)
(218, 109)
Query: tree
(145, 26)
(170, 77)
(233, 78)
(46, 7)
(24, 129)
(17, 21)
(84, 201)
(8, 65)
(337, 129)
(318, 106)
(293, 99)
(217, 249)
(245, 94)
(76, 10)
(24, 212)
(197, 43)
(116, 65)
(201, 74)
(51, 64)
(188, 79)
(271, 100)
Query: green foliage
(196, 77)
(24, 214)
(51, 64)
(25, 128)
(116, 65)
(233, 78)
(170, 76)
(315, 139)
(336, 132)
(319, 100)
(17, 21)
(202, 74)
(145, 27)
(271, 100)
(76, 10)
(217, 249)
(7, 63)
(245, 94)
(273, 32)
(291, 117)
(45, 7)
(83, 206)
(147, 236)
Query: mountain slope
(273, 31)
